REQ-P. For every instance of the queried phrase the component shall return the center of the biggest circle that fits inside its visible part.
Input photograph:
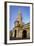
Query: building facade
(19, 30)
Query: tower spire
(19, 12)
(19, 17)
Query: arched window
(15, 34)
(24, 34)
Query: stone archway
(24, 34)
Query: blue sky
(14, 12)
